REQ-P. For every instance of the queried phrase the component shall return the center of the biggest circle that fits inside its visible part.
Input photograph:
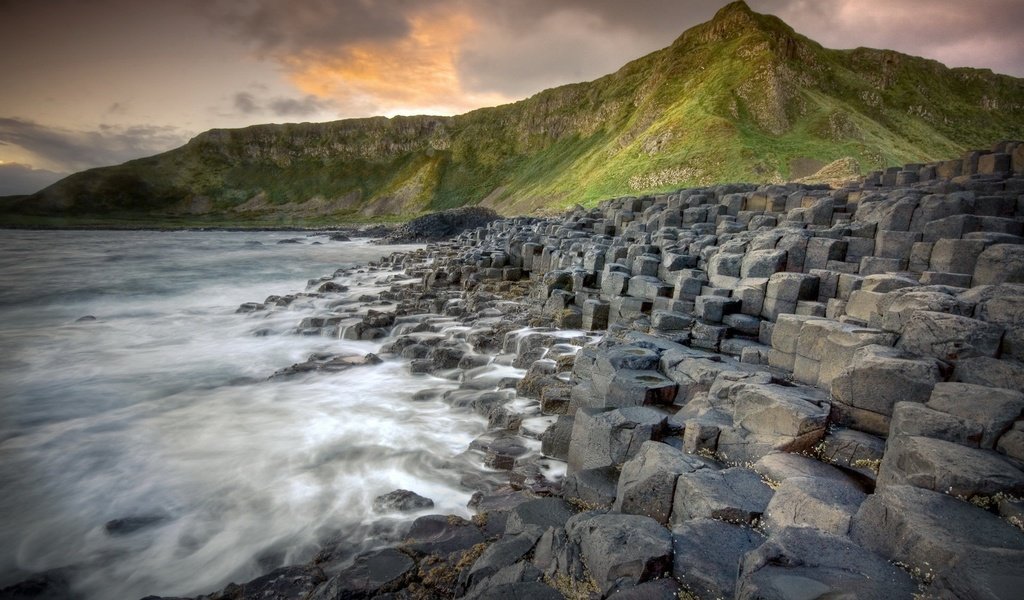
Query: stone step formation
(781, 391)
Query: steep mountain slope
(740, 98)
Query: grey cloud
(294, 27)
(524, 45)
(533, 44)
(246, 103)
(298, 107)
(17, 178)
(76, 150)
(306, 106)
(982, 33)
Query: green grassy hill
(740, 98)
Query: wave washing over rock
(723, 392)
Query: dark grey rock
(970, 552)
(948, 467)
(401, 500)
(824, 504)
(800, 562)
(601, 439)
(501, 554)
(707, 554)
(529, 590)
(647, 483)
(620, 549)
(371, 574)
(441, 535)
(555, 439)
(992, 409)
(592, 488)
(286, 582)
(542, 513)
(734, 495)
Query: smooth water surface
(159, 411)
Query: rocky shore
(736, 391)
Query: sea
(144, 448)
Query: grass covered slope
(740, 98)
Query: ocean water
(159, 411)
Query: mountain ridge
(742, 97)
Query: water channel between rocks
(144, 448)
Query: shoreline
(749, 388)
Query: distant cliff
(740, 98)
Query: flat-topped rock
(707, 554)
(948, 467)
(968, 551)
(801, 562)
(734, 495)
(601, 439)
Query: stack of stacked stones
(781, 391)
(853, 358)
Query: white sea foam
(161, 408)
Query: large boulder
(992, 410)
(734, 495)
(948, 467)
(762, 263)
(912, 418)
(621, 550)
(441, 535)
(1001, 263)
(648, 480)
(540, 513)
(824, 504)
(401, 501)
(1005, 306)
(969, 552)
(707, 554)
(371, 574)
(949, 337)
(555, 439)
(901, 309)
(601, 439)
(865, 392)
(592, 488)
(502, 554)
(768, 418)
(780, 466)
(987, 371)
(801, 562)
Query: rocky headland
(737, 391)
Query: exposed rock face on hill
(754, 391)
(740, 98)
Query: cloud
(16, 178)
(69, 150)
(447, 56)
(981, 33)
(118, 108)
(415, 74)
(246, 103)
(307, 106)
(295, 27)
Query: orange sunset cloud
(412, 75)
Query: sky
(98, 82)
